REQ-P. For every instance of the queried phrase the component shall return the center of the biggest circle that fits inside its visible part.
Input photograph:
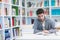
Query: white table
(26, 35)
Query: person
(42, 23)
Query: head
(40, 14)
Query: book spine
(9, 22)
(13, 11)
(0, 11)
(30, 13)
(13, 21)
(0, 26)
(15, 32)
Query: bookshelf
(14, 14)
(10, 19)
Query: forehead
(40, 14)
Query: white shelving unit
(11, 24)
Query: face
(41, 17)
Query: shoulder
(50, 20)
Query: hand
(45, 31)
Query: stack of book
(7, 34)
(16, 32)
(15, 21)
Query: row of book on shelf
(41, 3)
(7, 22)
(16, 2)
(31, 3)
(15, 10)
(15, 31)
(30, 12)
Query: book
(1, 24)
(39, 3)
(46, 3)
(32, 21)
(55, 11)
(23, 3)
(19, 11)
(58, 3)
(17, 21)
(15, 10)
(30, 13)
(0, 11)
(1, 35)
(7, 22)
(23, 11)
(6, 1)
(53, 2)
(28, 20)
(23, 20)
(30, 4)
(12, 21)
(16, 2)
(6, 11)
(7, 34)
(13, 1)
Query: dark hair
(39, 11)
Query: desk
(35, 36)
(27, 33)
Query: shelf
(6, 1)
(8, 28)
(16, 2)
(15, 26)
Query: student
(43, 24)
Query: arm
(35, 26)
(52, 30)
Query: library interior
(17, 18)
